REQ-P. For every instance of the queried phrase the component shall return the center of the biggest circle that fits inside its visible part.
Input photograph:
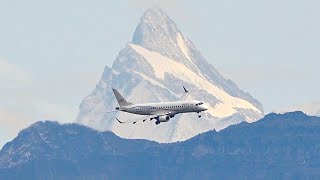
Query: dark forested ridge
(279, 146)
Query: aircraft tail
(121, 100)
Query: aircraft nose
(204, 107)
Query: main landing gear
(199, 115)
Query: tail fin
(120, 98)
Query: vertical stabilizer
(121, 100)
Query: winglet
(185, 95)
(185, 90)
(119, 121)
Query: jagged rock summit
(153, 68)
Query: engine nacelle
(164, 118)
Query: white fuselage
(171, 108)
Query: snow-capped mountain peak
(157, 32)
(153, 68)
(155, 28)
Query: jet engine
(162, 119)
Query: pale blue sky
(52, 53)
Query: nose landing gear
(199, 115)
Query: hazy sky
(52, 53)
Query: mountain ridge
(267, 149)
(312, 109)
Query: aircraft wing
(143, 119)
(111, 111)
(134, 121)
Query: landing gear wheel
(199, 115)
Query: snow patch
(154, 82)
(183, 46)
(163, 65)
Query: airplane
(161, 112)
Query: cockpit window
(198, 104)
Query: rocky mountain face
(280, 146)
(153, 68)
